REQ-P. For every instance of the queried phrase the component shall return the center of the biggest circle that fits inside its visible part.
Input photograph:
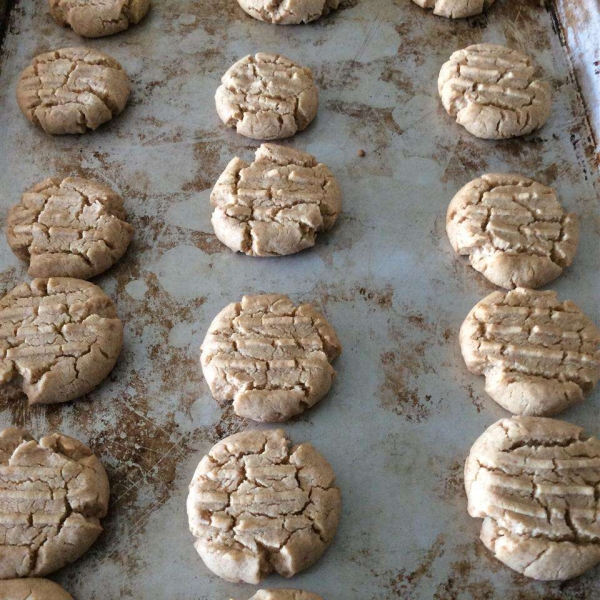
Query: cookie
(455, 9)
(290, 12)
(534, 481)
(69, 227)
(72, 90)
(59, 338)
(281, 594)
(92, 19)
(493, 92)
(267, 97)
(276, 205)
(513, 230)
(270, 357)
(53, 494)
(539, 355)
(32, 588)
(257, 505)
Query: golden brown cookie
(59, 338)
(72, 90)
(71, 227)
(276, 205)
(534, 481)
(267, 97)
(258, 505)
(269, 357)
(97, 18)
(53, 494)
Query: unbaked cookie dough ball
(276, 205)
(72, 90)
(493, 92)
(70, 227)
(97, 18)
(538, 355)
(534, 482)
(269, 357)
(513, 229)
(288, 12)
(267, 97)
(59, 338)
(257, 504)
(54, 493)
(32, 588)
(455, 9)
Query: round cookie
(267, 97)
(493, 92)
(282, 594)
(92, 19)
(72, 227)
(59, 338)
(54, 493)
(290, 12)
(539, 356)
(257, 505)
(534, 481)
(513, 230)
(455, 9)
(32, 588)
(270, 357)
(72, 90)
(276, 205)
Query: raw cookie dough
(72, 90)
(68, 228)
(288, 12)
(455, 9)
(539, 355)
(97, 18)
(282, 594)
(53, 494)
(267, 97)
(59, 338)
(257, 505)
(32, 588)
(513, 230)
(534, 482)
(493, 93)
(270, 357)
(277, 204)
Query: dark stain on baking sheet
(6, 9)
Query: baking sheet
(403, 411)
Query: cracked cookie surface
(72, 90)
(257, 505)
(535, 483)
(32, 588)
(455, 9)
(72, 227)
(270, 357)
(283, 594)
(513, 229)
(267, 97)
(53, 494)
(288, 12)
(59, 338)
(275, 205)
(539, 355)
(97, 18)
(493, 92)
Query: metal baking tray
(403, 411)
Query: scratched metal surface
(404, 411)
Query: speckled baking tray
(404, 411)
